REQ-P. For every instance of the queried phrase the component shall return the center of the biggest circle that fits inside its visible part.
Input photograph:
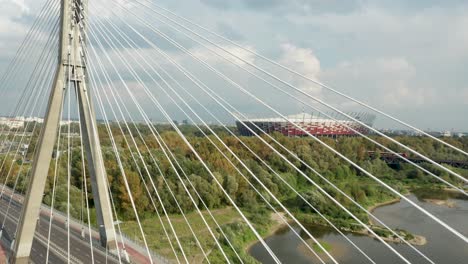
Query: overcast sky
(410, 58)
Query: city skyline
(184, 121)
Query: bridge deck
(80, 249)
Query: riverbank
(289, 247)
(336, 250)
(372, 208)
(386, 235)
(277, 225)
(438, 202)
(413, 239)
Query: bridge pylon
(71, 73)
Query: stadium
(315, 124)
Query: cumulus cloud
(383, 81)
(291, 6)
(385, 55)
(208, 56)
(99, 9)
(10, 28)
(303, 61)
(14, 8)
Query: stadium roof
(306, 117)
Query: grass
(158, 241)
(325, 245)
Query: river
(441, 247)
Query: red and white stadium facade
(314, 124)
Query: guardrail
(61, 253)
(158, 258)
(18, 198)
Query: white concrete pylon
(73, 12)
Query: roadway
(80, 249)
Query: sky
(408, 58)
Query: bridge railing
(129, 242)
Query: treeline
(158, 178)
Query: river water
(441, 247)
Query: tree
(230, 185)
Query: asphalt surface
(80, 248)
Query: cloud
(229, 31)
(380, 52)
(119, 7)
(464, 96)
(303, 61)
(282, 7)
(218, 3)
(385, 81)
(11, 30)
(392, 54)
(395, 65)
(459, 44)
(206, 55)
(14, 8)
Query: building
(34, 119)
(19, 121)
(314, 124)
(446, 134)
(68, 122)
(12, 123)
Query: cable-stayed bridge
(128, 189)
